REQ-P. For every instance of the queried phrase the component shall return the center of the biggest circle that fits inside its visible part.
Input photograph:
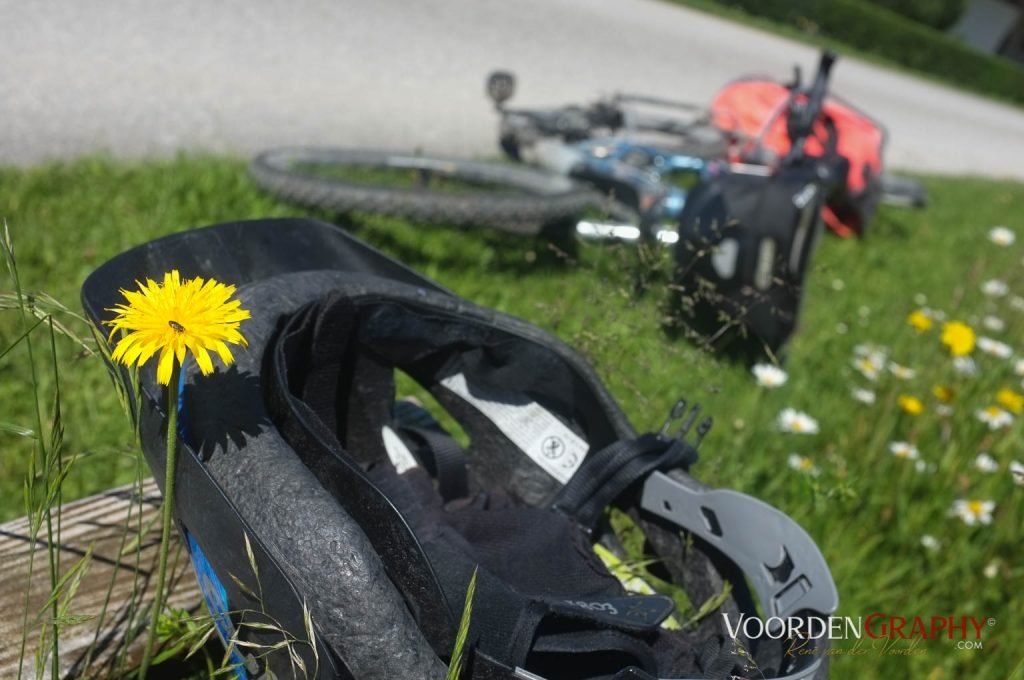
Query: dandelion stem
(168, 505)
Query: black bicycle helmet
(368, 515)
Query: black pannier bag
(745, 244)
(362, 511)
(746, 234)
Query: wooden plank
(109, 523)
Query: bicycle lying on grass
(519, 198)
(618, 168)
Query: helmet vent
(710, 519)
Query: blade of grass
(458, 654)
(40, 449)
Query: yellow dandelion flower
(920, 321)
(958, 337)
(911, 405)
(943, 393)
(176, 317)
(1012, 401)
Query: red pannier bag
(753, 113)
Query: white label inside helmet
(540, 435)
(400, 455)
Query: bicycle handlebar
(806, 105)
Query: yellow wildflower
(920, 321)
(911, 405)
(176, 316)
(958, 337)
(1012, 401)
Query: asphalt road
(142, 78)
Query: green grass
(867, 509)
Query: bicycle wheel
(423, 188)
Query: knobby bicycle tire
(511, 198)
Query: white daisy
(965, 366)
(995, 288)
(929, 542)
(1018, 367)
(769, 375)
(901, 372)
(944, 410)
(1002, 236)
(994, 323)
(904, 450)
(920, 466)
(797, 422)
(995, 417)
(802, 464)
(994, 347)
(862, 395)
(991, 569)
(869, 365)
(1017, 472)
(972, 511)
(1017, 302)
(986, 463)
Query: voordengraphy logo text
(875, 626)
